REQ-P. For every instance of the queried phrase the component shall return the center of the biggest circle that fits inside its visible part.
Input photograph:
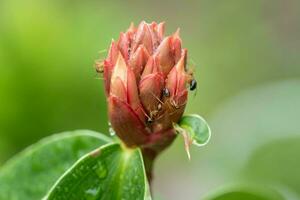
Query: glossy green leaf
(31, 173)
(197, 129)
(245, 193)
(110, 172)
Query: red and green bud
(146, 83)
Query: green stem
(149, 157)
(150, 151)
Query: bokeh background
(247, 57)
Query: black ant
(166, 92)
(193, 84)
(190, 80)
(99, 66)
(149, 121)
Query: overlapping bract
(146, 81)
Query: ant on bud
(159, 107)
(190, 78)
(166, 92)
(193, 84)
(99, 66)
(191, 81)
(149, 121)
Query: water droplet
(92, 193)
(132, 190)
(95, 167)
(74, 176)
(87, 168)
(66, 189)
(81, 167)
(58, 188)
(101, 170)
(111, 130)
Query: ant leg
(157, 98)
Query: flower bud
(146, 81)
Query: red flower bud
(146, 82)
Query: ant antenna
(148, 117)
(102, 51)
(157, 98)
(98, 77)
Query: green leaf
(110, 172)
(197, 128)
(194, 130)
(276, 162)
(31, 173)
(245, 193)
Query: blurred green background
(247, 67)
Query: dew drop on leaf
(111, 130)
(101, 170)
(92, 193)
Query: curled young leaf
(194, 130)
(197, 128)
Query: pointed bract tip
(151, 67)
(112, 52)
(181, 64)
(123, 44)
(141, 24)
(138, 60)
(120, 69)
(131, 27)
(177, 33)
